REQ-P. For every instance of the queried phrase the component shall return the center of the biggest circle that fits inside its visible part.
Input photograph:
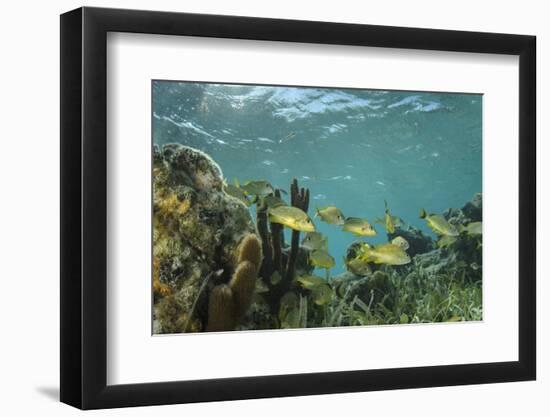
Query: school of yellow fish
(390, 253)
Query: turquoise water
(352, 148)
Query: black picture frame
(84, 207)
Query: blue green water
(352, 148)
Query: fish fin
(422, 213)
(386, 209)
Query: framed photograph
(256, 208)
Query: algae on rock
(196, 233)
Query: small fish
(473, 228)
(387, 253)
(389, 224)
(261, 287)
(310, 281)
(321, 259)
(401, 242)
(358, 267)
(270, 201)
(289, 302)
(438, 224)
(291, 217)
(292, 319)
(359, 227)
(396, 221)
(330, 215)
(390, 227)
(288, 137)
(236, 192)
(275, 278)
(362, 248)
(315, 240)
(257, 188)
(322, 294)
(445, 241)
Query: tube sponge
(250, 249)
(242, 285)
(229, 303)
(221, 309)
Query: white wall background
(29, 237)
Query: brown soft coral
(250, 249)
(229, 302)
(221, 309)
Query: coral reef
(443, 282)
(299, 197)
(216, 269)
(279, 259)
(221, 307)
(229, 302)
(197, 230)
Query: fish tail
(422, 213)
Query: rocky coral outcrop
(472, 211)
(196, 234)
(374, 287)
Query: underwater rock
(418, 241)
(467, 248)
(197, 230)
(459, 260)
(471, 212)
(258, 316)
(474, 209)
(376, 287)
(435, 261)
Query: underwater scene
(281, 207)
